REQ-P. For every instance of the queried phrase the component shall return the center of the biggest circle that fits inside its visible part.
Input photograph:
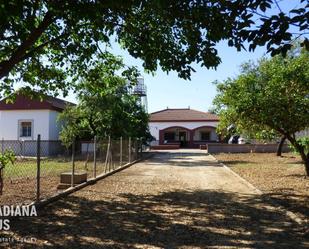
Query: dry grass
(280, 178)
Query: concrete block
(79, 177)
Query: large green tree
(272, 95)
(107, 105)
(47, 43)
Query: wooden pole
(120, 159)
(95, 157)
(73, 163)
(38, 167)
(107, 153)
(129, 149)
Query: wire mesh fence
(44, 168)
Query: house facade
(187, 127)
(23, 120)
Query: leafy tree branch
(270, 96)
(64, 35)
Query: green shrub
(304, 142)
(7, 157)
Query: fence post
(110, 164)
(38, 167)
(136, 149)
(2, 146)
(107, 153)
(141, 147)
(120, 159)
(129, 150)
(95, 157)
(73, 163)
(23, 148)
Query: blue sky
(167, 90)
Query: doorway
(183, 138)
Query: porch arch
(173, 129)
(206, 128)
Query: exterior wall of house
(43, 122)
(192, 129)
(9, 123)
(155, 127)
(54, 126)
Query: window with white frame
(25, 129)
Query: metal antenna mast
(141, 91)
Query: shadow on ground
(183, 159)
(201, 218)
(285, 198)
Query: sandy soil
(280, 178)
(23, 190)
(174, 200)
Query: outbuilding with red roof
(25, 118)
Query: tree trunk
(305, 159)
(307, 165)
(280, 145)
(301, 150)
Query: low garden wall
(165, 147)
(245, 148)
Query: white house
(187, 127)
(25, 118)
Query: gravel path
(180, 199)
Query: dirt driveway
(180, 199)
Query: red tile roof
(26, 103)
(184, 115)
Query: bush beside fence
(36, 176)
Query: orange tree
(270, 97)
(106, 105)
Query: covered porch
(187, 138)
